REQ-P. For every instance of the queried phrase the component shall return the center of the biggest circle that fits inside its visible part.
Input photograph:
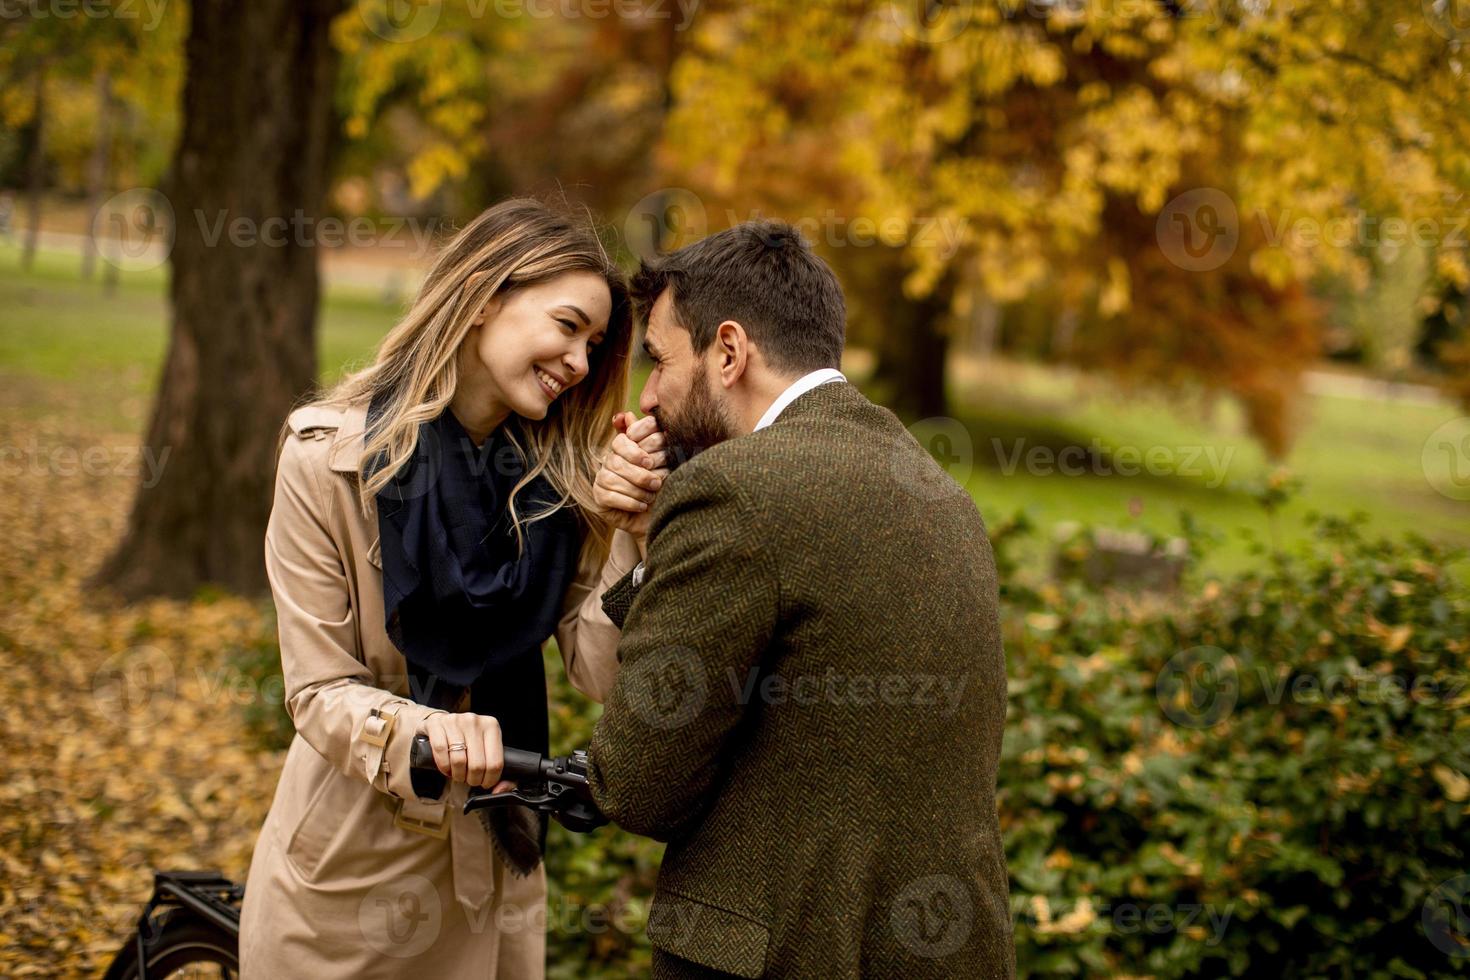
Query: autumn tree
(258, 126)
(483, 106)
(262, 140)
(73, 86)
(1064, 142)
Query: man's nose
(648, 399)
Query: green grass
(67, 348)
(1349, 455)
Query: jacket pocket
(313, 830)
(706, 934)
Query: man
(812, 689)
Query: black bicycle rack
(207, 894)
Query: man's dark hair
(764, 276)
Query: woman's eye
(568, 324)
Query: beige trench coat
(352, 876)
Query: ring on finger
(459, 746)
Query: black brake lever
(556, 787)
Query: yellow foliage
(1455, 784)
(125, 749)
(432, 166)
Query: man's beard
(700, 424)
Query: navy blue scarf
(464, 605)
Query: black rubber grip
(521, 765)
(428, 781)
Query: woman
(433, 524)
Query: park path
(1370, 389)
(390, 269)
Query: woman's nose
(576, 364)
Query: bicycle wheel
(186, 948)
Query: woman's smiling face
(536, 341)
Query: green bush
(257, 665)
(1266, 776)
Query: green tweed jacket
(809, 708)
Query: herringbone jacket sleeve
(618, 599)
(706, 612)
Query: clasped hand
(632, 473)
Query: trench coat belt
(469, 838)
(469, 845)
(469, 841)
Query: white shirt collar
(799, 387)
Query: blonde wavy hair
(516, 243)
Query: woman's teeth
(549, 381)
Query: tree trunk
(36, 176)
(97, 168)
(987, 328)
(913, 347)
(256, 142)
(124, 125)
(1064, 331)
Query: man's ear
(733, 347)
